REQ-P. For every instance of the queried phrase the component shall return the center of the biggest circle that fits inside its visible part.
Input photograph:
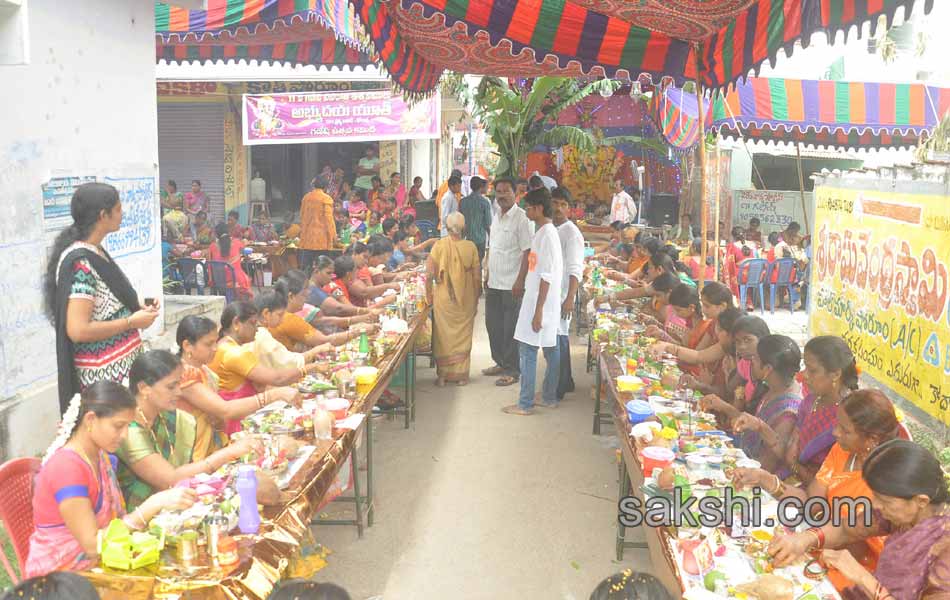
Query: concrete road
(474, 504)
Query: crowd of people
(814, 432)
(135, 423)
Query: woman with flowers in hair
(76, 492)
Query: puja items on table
(681, 452)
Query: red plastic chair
(16, 508)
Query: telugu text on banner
(880, 281)
(338, 117)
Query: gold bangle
(128, 323)
(303, 372)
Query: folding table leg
(371, 510)
(358, 500)
(597, 382)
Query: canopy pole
(801, 184)
(718, 186)
(697, 49)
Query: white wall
(84, 105)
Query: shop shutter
(191, 146)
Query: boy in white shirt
(572, 256)
(540, 313)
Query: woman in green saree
(157, 452)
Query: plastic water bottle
(249, 519)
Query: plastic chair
(191, 277)
(782, 273)
(751, 275)
(220, 274)
(16, 508)
(427, 228)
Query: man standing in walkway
(540, 312)
(477, 212)
(450, 202)
(572, 256)
(508, 245)
(622, 207)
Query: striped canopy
(417, 39)
(304, 32)
(834, 114)
(675, 112)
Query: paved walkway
(474, 504)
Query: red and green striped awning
(305, 32)
(833, 114)
(417, 39)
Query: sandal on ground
(491, 371)
(506, 380)
(439, 382)
(514, 409)
(462, 382)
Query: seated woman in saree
(239, 369)
(775, 403)
(295, 333)
(686, 325)
(158, 452)
(75, 494)
(910, 502)
(197, 342)
(740, 385)
(320, 308)
(714, 299)
(344, 276)
(866, 419)
(453, 287)
(707, 370)
(830, 374)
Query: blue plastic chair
(786, 277)
(220, 273)
(191, 276)
(427, 228)
(751, 275)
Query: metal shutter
(191, 146)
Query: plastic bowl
(655, 457)
(638, 411)
(338, 406)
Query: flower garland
(66, 427)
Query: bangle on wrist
(819, 536)
(128, 323)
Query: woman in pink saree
(76, 493)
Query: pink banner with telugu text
(298, 118)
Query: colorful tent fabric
(305, 32)
(418, 39)
(831, 113)
(674, 112)
(834, 114)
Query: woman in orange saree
(453, 286)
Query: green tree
(518, 120)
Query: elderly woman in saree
(453, 287)
(910, 506)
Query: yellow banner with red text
(880, 281)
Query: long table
(631, 475)
(265, 556)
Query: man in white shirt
(572, 256)
(509, 241)
(540, 312)
(450, 201)
(622, 207)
